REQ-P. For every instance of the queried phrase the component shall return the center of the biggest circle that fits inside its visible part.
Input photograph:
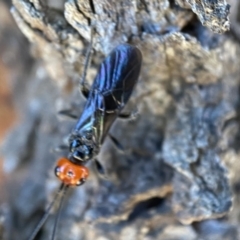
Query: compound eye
(74, 144)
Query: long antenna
(59, 211)
(46, 214)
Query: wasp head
(71, 174)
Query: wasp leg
(68, 113)
(60, 148)
(116, 143)
(100, 169)
(129, 115)
(84, 89)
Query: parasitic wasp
(116, 78)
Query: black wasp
(111, 90)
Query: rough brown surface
(212, 14)
(181, 163)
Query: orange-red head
(71, 174)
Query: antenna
(59, 211)
(47, 212)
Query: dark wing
(111, 89)
(102, 121)
(95, 119)
(117, 76)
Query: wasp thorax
(71, 174)
(81, 151)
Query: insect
(111, 90)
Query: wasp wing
(117, 76)
(111, 89)
(102, 120)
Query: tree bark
(179, 173)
